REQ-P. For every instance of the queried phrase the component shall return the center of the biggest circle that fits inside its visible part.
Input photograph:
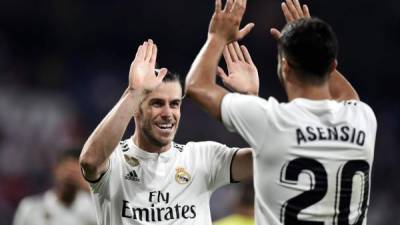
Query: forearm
(340, 88)
(200, 81)
(107, 135)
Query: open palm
(292, 10)
(242, 74)
(142, 73)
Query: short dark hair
(173, 77)
(310, 47)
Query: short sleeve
(370, 115)
(217, 160)
(102, 185)
(246, 115)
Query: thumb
(276, 34)
(163, 72)
(245, 30)
(221, 73)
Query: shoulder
(360, 107)
(30, 202)
(203, 145)
(123, 146)
(249, 99)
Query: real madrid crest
(131, 160)
(182, 176)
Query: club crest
(182, 176)
(131, 160)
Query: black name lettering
(344, 134)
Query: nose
(166, 112)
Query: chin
(164, 141)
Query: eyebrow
(161, 99)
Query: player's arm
(106, 136)
(340, 88)
(242, 165)
(224, 29)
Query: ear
(286, 70)
(333, 66)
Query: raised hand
(292, 10)
(142, 73)
(242, 73)
(225, 23)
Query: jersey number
(318, 188)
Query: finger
(139, 53)
(144, 50)
(162, 73)
(227, 57)
(306, 11)
(247, 55)
(245, 31)
(238, 8)
(221, 73)
(298, 8)
(228, 5)
(286, 12)
(238, 51)
(153, 58)
(292, 9)
(276, 34)
(232, 53)
(218, 4)
(149, 50)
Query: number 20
(319, 181)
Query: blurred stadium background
(64, 64)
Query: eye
(157, 104)
(175, 104)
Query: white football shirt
(312, 159)
(46, 209)
(173, 187)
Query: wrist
(216, 40)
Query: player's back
(314, 164)
(312, 159)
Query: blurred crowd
(63, 64)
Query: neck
(146, 145)
(312, 92)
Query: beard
(150, 136)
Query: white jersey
(312, 159)
(46, 209)
(173, 187)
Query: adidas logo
(132, 176)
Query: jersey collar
(141, 153)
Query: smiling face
(159, 115)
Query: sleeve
(102, 185)
(246, 115)
(218, 159)
(371, 118)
